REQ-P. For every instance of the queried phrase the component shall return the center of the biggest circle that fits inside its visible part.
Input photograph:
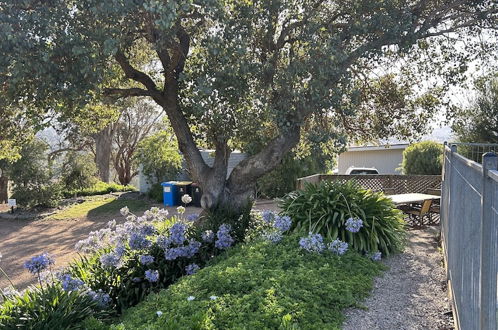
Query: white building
(208, 155)
(385, 158)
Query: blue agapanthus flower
(208, 236)
(273, 236)
(192, 217)
(152, 275)
(101, 298)
(37, 264)
(192, 269)
(338, 247)
(376, 256)
(354, 225)
(224, 239)
(282, 223)
(146, 259)
(71, 284)
(110, 260)
(177, 233)
(312, 243)
(138, 241)
(268, 216)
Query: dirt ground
(22, 239)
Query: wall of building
(208, 156)
(385, 161)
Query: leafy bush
(159, 157)
(78, 172)
(282, 179)
(100, 188)
(260, 285)
(33, 177)
(48, 307)
(326, 207)
(423, 158)
(156, 192)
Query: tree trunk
(4, 189)
(103, 149)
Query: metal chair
(417, 215)
(389, 191)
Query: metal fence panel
(469, 228)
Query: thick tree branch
(134, 74)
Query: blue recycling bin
(169, 193)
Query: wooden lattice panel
(400, 184)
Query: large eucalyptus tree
(219, 66)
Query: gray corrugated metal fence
(469, 220)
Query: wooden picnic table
(411, 198)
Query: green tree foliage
(423, 158)
(33, 178)
(159, 157)
(229, 68)
(78, 171)
(478, 123)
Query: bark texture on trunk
(4, 189)
(103, 149)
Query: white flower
(190, 298)
(186, 199)
(213, 297)
(180, 209)
(125, 211)
(159, 313)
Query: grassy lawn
(99, 206)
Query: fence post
(488, 247)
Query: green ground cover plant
(329, 208)
(259, 285)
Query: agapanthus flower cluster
(70, 283)
(180, 209)
(192, 269)
(192, 217)
(224, 239)
(185, 251)
(110, 260)
(101, 298)
(312, 243)
(338, 247)
(354, 225)
(280, 224)
(273, 236)
(376, 256)
(152, 275)
(37, 264)
(208, 236)
(146, 259)
(177, 233)
(138, 241)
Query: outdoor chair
(435, 207)
(389, 191)
(419, 216)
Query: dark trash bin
(182, 188)
(196, 194)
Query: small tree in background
(423, 158)
(79, 171)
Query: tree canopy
(231, 68)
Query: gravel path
(411, 294)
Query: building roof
(398, 146)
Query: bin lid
(169, 183)
(182, 183)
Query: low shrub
(100, 188)
(369, 222)
(48, 307)
(38, 195)
(78, 171)
(259, 285)
(423, 158)
(156, 192)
